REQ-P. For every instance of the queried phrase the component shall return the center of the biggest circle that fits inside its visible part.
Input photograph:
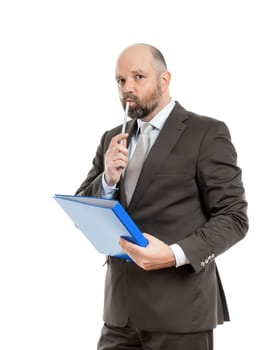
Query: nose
(128, 86)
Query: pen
(125, 120)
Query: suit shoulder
(195, 119)
(205, 123)
(203, 120)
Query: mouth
(129, 98)
(131, 101)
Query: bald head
(146, 52)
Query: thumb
(149, 237)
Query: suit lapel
(166, 140)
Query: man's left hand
(157, 255)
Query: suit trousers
(113, 338)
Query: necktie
(135, 164)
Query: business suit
(189, 192)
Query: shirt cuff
(180, 257)
(108, 192)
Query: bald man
(189, 202)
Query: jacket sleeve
(223, 198)
(93, 182)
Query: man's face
(137, 82)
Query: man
(188, 201)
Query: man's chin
(135, 113)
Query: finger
(124, 143)
(149, 237)
(122, 148)
(119, 164)
(123, 242)
(127, 246)
(133, 259)
(116, 150)
(120, 156)
(119, 137)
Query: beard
(143, 107)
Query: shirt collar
(160, 118)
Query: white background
(58, 95)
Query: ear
(165, 81)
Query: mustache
(130, 96)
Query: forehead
(133, 59)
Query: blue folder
(103, 222)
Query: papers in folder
(103, 222)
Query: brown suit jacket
(189, 192)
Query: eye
(139, 76)
(121, 81)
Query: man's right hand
(115, 159)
